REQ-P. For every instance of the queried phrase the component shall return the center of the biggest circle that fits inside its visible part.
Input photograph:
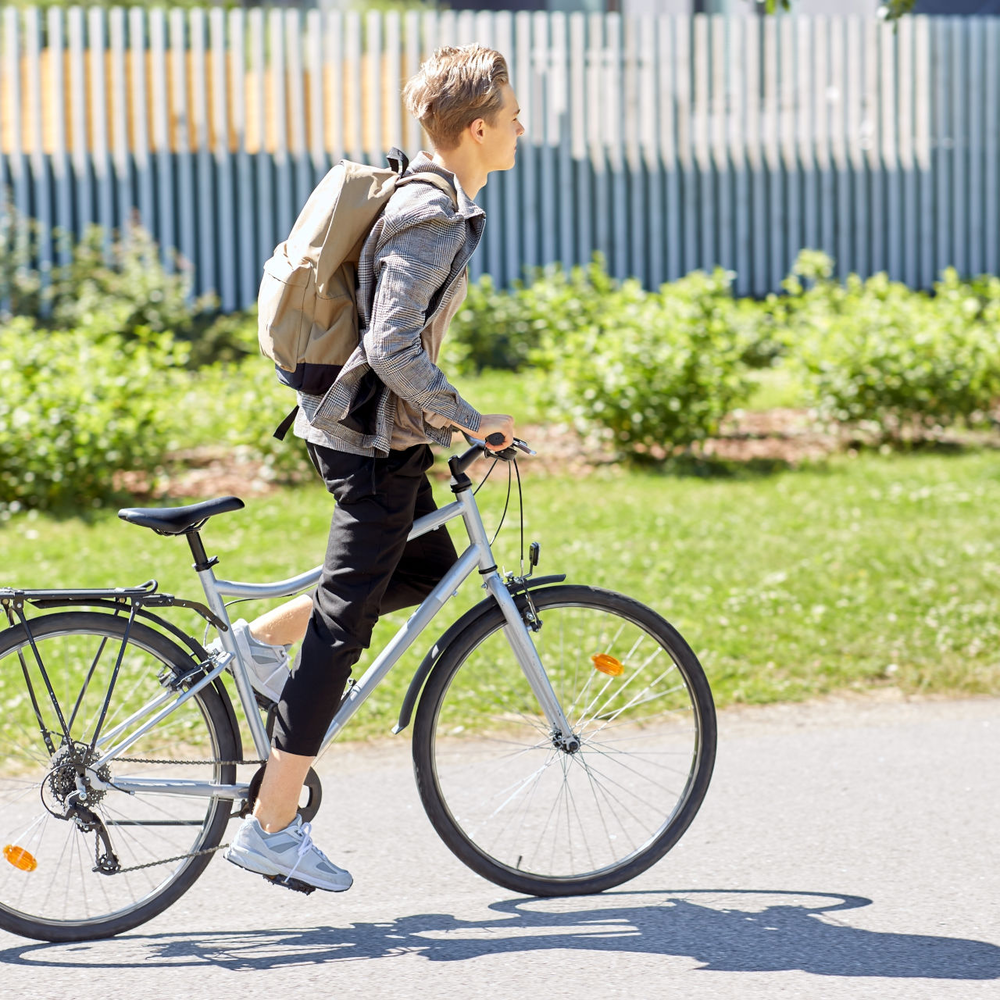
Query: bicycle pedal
(297, 885)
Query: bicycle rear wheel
(545, 818)
(55, 801)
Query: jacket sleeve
(411, 265)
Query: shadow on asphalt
(721, 929)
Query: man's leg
(376, 500)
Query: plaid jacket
(409, 266)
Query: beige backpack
(307, 321)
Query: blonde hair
(453, 88)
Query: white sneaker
(287, 856)
(267, 665)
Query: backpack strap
(428, 177)
(283, 428)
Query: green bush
(651, 372)
(75, 410)
(902, 363)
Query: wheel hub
(71, 774)
(567, 744)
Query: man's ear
(477, 129)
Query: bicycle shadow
(771, 931)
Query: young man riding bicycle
(412, 280)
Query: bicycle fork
(518, 634)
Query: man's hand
(494, 423)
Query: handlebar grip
(494, 440)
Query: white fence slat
(78, 119)
(548, 137)
(284, 196)
(198, 97)
(160, 125)
(910, 223)
(991, 230)
(955, 142)
(634, 241)
(888, 148)
(923, 154)
(839, 138)
(562, 111)
(701, 66)
(373, 110)
(248, 257)
(179, 115)
(225, 217)
(412, 133)
(16, 161)
(267, 237)
(742, 108)
(313, 55)
(140, 122)
(942, 139)
(684, 122)
(718, 114)
(579, 75)
(39, 166)
(60, 154)
(772, 152)
(334, 45)
(465, 27)
(858, 134)
(823, 107)
(756, 212)
(354, 142)
(121, 154)
(527, 173)
(96, 17)
(666, 67)
(296, 104)
(614, 143)
(806, 131)
(973, 223)
(651, 185)
(393, 81)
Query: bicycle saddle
(178, 520)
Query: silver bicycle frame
(478, 555)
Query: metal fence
(667, 144)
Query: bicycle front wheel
(554, 817)
(83, 856)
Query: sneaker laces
(305, 846)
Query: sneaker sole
(253, 863)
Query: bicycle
(121, 745)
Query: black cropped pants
(370, 569)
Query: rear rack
(145, 595)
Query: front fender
(434, 653)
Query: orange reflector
(20, 858)
(607, 664)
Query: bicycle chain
(160, 760)
(179, 857)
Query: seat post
(201, 560)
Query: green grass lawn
(862, 573)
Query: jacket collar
(423, 163)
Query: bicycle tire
(154, 836)
(549, 821)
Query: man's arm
(411, 266)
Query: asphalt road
(846, 849)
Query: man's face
(500, 139)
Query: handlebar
(459, 463)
